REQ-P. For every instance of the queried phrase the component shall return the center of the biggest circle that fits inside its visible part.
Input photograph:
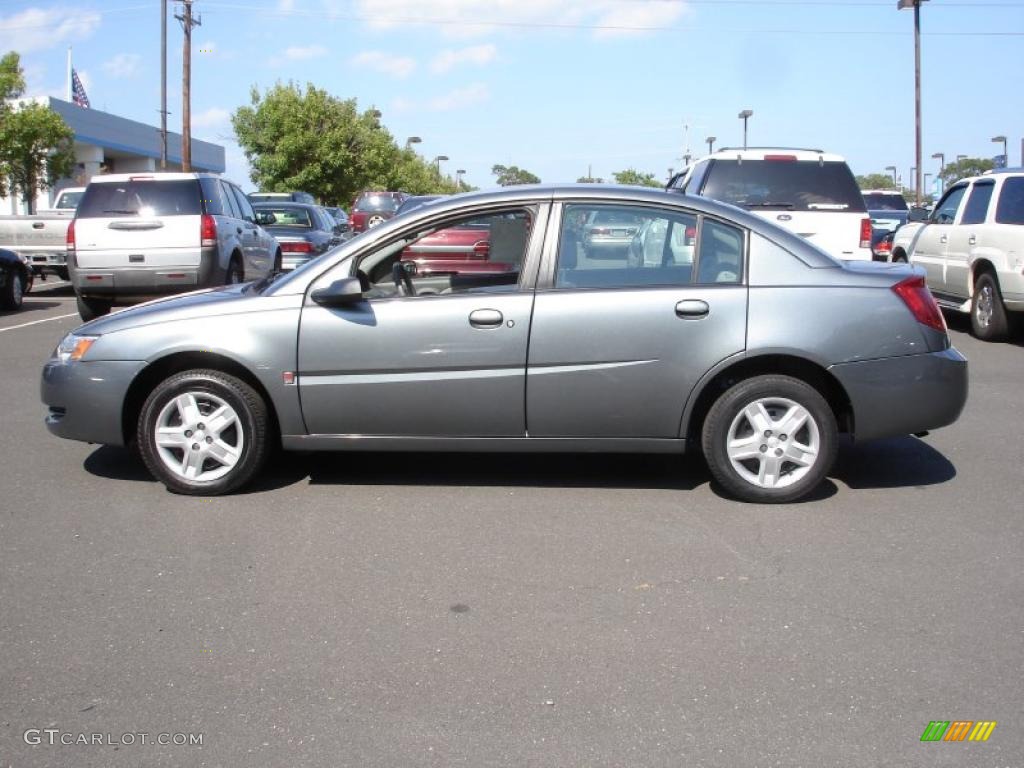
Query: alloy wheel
(773, 442)
(983, 306)
(198, 436)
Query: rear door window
(211, 196)
(141, 197)
(977, 203)
(784, 184)
(232, 209)
(1010, 209)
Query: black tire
(235, 272)
(13, 293)
(90, 308)
(62, 273)
(899, 257)
(989, 321)
(252, 425)
(728, 409)
(278, 260)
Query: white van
(145, 234)
(808, 191)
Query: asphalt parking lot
(479, 610)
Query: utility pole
(187, 22)
(163, 85)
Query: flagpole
(70, 98)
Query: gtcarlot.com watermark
(55, 737)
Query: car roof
(282, 204)
(761, 153)
(150, 175)
(895, 192)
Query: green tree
(36, 145)
(969, 166)
(589, 180)
(511, 174)
(307, 139)
(876, 181)
(635, 178)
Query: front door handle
(485, 318)
(692, 308)
(943, 239)
(972, 240)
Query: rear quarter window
(784, 185)
(111, 200)
(1010, 209)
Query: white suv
(145, 234)
(808, 191)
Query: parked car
(41, 238)
(282, 197)
(807, 191)
(372, 209)
(415, 201)
(68, 198)
(137, 235)
(302, 231)
(888, 211)
(15, 279)
(340, 216)
(465, 249)
(972, 250)
(348, 352)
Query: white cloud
(36, 29)
(379, 61)
(303, 53)
(286, 6)
(214, 117)
(123, 65)
(468, 18)
(460, 97)
(475, 54)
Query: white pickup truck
(42, 237)
(972, 249)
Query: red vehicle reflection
(460, 250)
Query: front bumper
(898, 396)
(85, 400)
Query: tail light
(884, 247)
(689, 234)
(70, 237)
(865, 233)
(302, 247)
(481, 249)
(208, 231)
(920, 302)
(600, 231)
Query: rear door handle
(972, 240)
(485, 318)
(943, 239)
(692, 308)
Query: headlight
(72, 347)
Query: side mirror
(340, 293)
(917, 214)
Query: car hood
(208, 302)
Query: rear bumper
(903, 395)
(146, 280)
(85, 400)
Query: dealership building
(106, 143)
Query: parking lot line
(37, 322)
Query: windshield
(787, 185)
(69, 200)
(141, 198)
(287, 217)
(376, 203)
(883, 201)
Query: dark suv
(373, 208)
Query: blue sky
(557, 87)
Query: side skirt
(487, 444)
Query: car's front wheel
(204, 432)
(988, 313)
(770, 439)
(90, 308)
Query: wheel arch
(980, 266)
(160, 369)
(786, 364)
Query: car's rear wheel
(989, 320)
(13, 293)
(235, 273)
(203, 432)
(278, 262)
(770, 439)
(90, 308)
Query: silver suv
(145, 234)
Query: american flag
(78, 91)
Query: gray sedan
(758, 351)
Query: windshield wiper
(118, 210)
(787, 206)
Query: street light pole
(745, 115)
(458, 177)
(711, 144)
(926, 177)
(412, 140)
(916, 5)
(893, 169)
(438, 160)
(1006, 157)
